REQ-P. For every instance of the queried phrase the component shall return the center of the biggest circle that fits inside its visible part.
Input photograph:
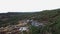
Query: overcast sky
(28, 5)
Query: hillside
(51, 18)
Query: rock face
(23, 28)
(35, 23)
